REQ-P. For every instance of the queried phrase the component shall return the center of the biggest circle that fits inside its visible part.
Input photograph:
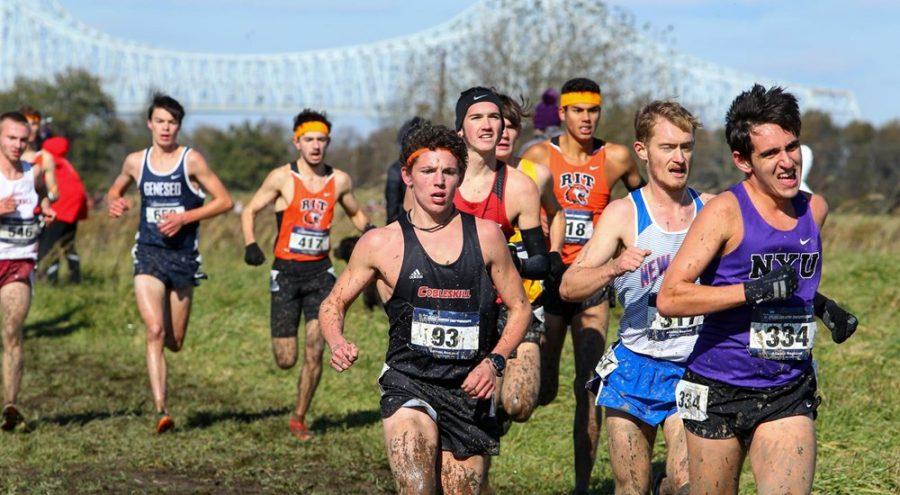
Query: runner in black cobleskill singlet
(171, 179)
(750, 386)
(444, 351)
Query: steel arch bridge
(368, 80)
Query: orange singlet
(582, 192)
(304, 227)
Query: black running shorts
(465, 425)
(175, 269)
(735, 412)
(554, 305)
(535, 330)
(297, 286)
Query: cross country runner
(171, 179)
(511, 200)
(305, 192)
(634, 241)
(584, 169)
(750, 385)
(21, 190)
(444, 352)
(34, 153)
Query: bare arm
(509, 287)
(115, 199)
(209, 181)
(351, 205)
(592, 269)
(360, 271)
(48, 167)
(267, 193)
(538, 154)
(527, 198)
(620, 157)
(707, 237)
(555, 214)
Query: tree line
(856, 165)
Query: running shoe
(299, 430)
(11, 418)
(164, 422)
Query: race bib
(782, 333)
(18, 231)
(661, 328)
(691, 399)
(445, 334)
(156, 214)
(312, 242)
(608, 363)
(579, 226)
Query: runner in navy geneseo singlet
(444, 352)
(750, 385)
(171, 179)
(635, 240)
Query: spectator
(58, 238)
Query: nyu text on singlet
(443, 317)
(19, 229)
(771, 344)
(163, 194)
(492, 207)
(304, 228)
(641, 327)
(582, 192)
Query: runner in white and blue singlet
(635, 380)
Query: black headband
(472, 96)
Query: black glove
(557, 267)
(841, 323)
(776, 285)
(253, 255)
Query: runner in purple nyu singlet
(724, 351)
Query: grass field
(87, 399)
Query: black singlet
(443, 317)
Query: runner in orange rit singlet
(305, 193)
(584, 169)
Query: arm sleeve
(537, 266)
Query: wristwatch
(498, 362)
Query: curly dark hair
(760, 106)
(431, 136)
(309, 115)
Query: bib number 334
(691, 399)
(782, 333)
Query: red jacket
(72, 203)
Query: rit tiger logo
(577, 187)
(313, 210)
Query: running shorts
(731, 411)
(297, 287)
(175, 269)
(466, 426)
(638, 385)
(16, 271)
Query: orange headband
(577, 97)
(312, 126)
(420, 151)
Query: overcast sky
(847, 45)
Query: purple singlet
(779, 350)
